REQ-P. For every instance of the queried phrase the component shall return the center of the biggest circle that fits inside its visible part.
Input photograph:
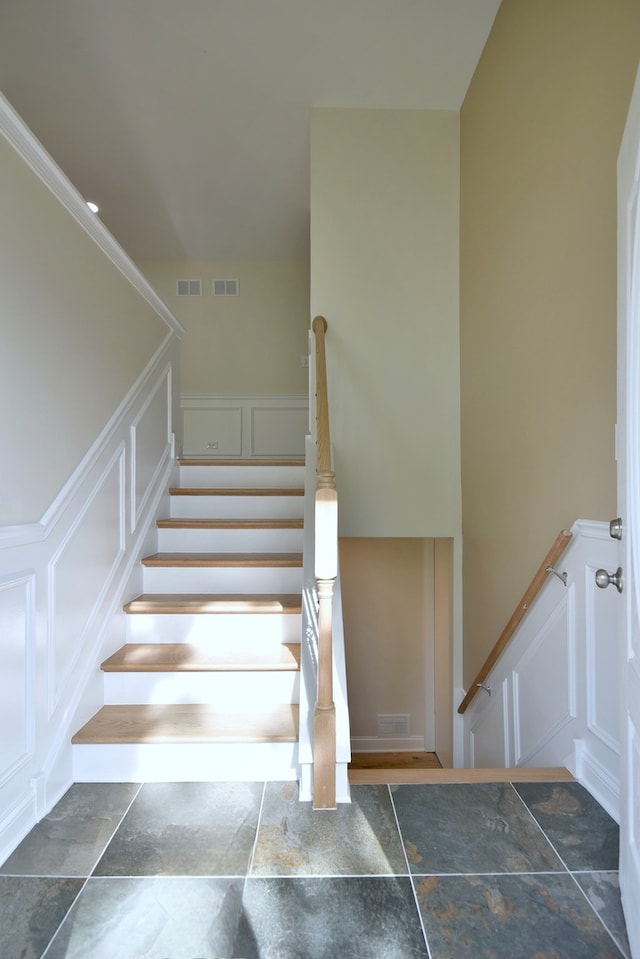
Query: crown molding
(36, 157)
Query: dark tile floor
(245, 871)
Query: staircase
(207, 685)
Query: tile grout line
(409, 873)
(571, 872)
(251, 859)
(541, 830)
(594, 910)
(64, 918)
(113, 834)
(87, 877)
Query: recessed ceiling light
(93, 206)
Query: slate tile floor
(245, 871)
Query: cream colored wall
(384, 255)
(387, 618)
(75, 336)
(251, 343)
(540, 131)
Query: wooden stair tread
(236, 491)
(164, 603)
(260, 560)
(187, 657)
(178, 523)
(238, 461)
(188, 723)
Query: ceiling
(187, 121)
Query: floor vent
(395, 724)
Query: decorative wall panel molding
(62, 585)
(151, 444)
(17, 628)
(601, 611)
(561, 673)
(81, 572)
(489, 737)
(244, 425)
(544, 683)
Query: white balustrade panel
(555, 688)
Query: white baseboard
(15, 824)
(378, 744)
(599, 781)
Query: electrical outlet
(212, 445)
(304, 360)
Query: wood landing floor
(416, 767)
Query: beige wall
(384, 255)
(540, 131)
(251, 343)
(75, 336)
(388, 620)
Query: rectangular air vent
(394, 724)
(226, 288)
(188, 287)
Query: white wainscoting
(554, 691)
(244, 425)
(62, 584)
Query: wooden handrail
(326, 571)
(560, 544)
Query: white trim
(16, 823)
(562, 613)
(88, 664)
(206, 398)
(57, 508)
(460, 759)
(380, 744)
(21, 535)
(245, 425)
(164, 379)
(56, 684)
(596, 779)
(594, 529)
(27, 581)
(36, 157)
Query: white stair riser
(215, 629)
(230, 540)
(246, 477)
(175, 579)
(237, 507)
(224, 690)
(186, 762)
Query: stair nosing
(222, 603)
(239, 461)
(136, 722)
(198, 659)
(190, 560)
(203, 523)
(236, 491)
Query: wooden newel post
(324, 718)
(326, 569)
